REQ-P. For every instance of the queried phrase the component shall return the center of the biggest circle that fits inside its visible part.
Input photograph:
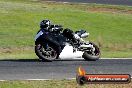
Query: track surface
(113, 2)
(33, 69)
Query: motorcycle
(54, 45)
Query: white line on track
(99, 58)
(115, 58)
(39, 79)
(49, 79)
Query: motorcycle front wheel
(48, 53)
(92, 55)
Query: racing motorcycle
(55, 45)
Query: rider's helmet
(45, 24)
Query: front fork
(86, 46)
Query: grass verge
(57, 84)
(109, 26)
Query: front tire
(92, 56)
(49, 53)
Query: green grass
(111, 29)
(18, 53)
(57, 84)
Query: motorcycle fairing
(67, 53)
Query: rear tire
(89, 57)
(49, 54)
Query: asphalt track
(61, 69)
(113, 2)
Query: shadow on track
(68, 60)
(37, 60)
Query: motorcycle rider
(46, 34)
(47, 27)
(44, 27)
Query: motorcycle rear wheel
(46, 54)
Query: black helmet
(44, 23)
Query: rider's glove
(76, 36)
